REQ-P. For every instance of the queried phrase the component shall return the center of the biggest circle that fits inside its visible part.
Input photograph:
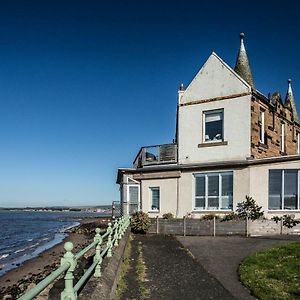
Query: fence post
(157, 231)
(247, 226)
(109, 242)
(281, 226)
(184, 226)
(68, 293)
(97, 256)
(214, 226)
(116, 233)
(120, 228)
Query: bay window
(213, 191)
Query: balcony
(156, 155)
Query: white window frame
(282, 191)
(204, 113)
(151, 188)
(298, 143)
(282, 137)
(128, 185)
(262, 126)
(206, 192)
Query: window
(213, 126)
(261, 124)
(155, 198)
(282, 137)
(213, 191)
(298, 143)
(284, 188)
(133, 198)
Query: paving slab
(221, 256)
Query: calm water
(24, 235)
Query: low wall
(105, 286)
(198, 227)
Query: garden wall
(187, 226)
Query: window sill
(211, 210)
(212, 144)
(284, 210)
(153, 211)
(263, 145)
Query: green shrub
(168, 216)
(209, 217)
(250, 209)
(288, 220)
(230, 217)
(140, 222)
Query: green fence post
(120, 228)
(109, 242)
(97, 256)
(68, 293)
(116, 225)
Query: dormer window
(213, 126)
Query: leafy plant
(209, 217)
(168, 216)
(287, 220)
(230, 217)
(249, 209)
(140, 222)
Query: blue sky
(84, 84)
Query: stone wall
(274, 116)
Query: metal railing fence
(112, 235)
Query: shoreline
(17, 280)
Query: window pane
(155, 198)
(213, 203)
(275, 188)
(227, 191)
(200, 186)
(213, 184)
(200, 202)
(213, 126)
(290, 189)
(133, 194)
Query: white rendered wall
(215, 80)
(168, 196)
(237, 131)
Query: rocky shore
(16, 282)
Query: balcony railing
(155, 155)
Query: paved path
(221, 256)
(171, 272)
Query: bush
(140, 222)
(230, 217)
(250, 209)
(209, 217)
(288, 220)
(168, 216)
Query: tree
(249, 209)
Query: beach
(16, 281)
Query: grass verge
(273, 273)
(125, 265)
(141, 272)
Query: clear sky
(85, 84)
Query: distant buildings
(231, 141)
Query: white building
(230, 141)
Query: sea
(26, 234)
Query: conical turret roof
(242, 66)
(290, 101)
